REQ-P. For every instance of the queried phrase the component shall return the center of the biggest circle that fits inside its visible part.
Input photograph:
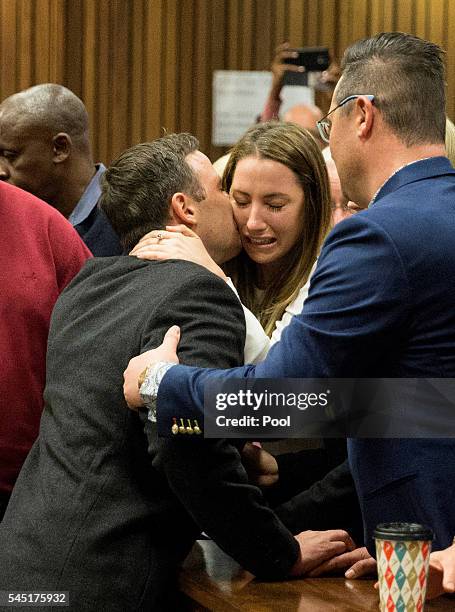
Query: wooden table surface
(213, 581)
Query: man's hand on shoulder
(167, 352)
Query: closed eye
(239, 203)
(9, 155)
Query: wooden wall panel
(296, 22)
(405, 14)
(360, 21)
(343, 25)
(89, 66)
(42, 39)
(102, 95)
(142, 66)
(170, 74)
(231, 33)
(436, 30)
(201, 61)
(8, 66)
(280, 26)
(389, 15)
(246, 26)
(56, 40)
(187, 100)
(120, 74)
(137, 58)
(263, 49)
(153, 69)
(24, 57)
(328, 35)
(420, 7)
(376, 17)
(73, 48)
(312, 23)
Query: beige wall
(144, 65)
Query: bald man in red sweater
(40, 253)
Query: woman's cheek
(240, 216)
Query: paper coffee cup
(403, 556)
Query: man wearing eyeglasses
(381, 300)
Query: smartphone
(314, 59)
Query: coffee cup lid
(402, 531)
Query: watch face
(154, 374)
(148, 390)
(152, 411)
(142, 377)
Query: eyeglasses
(325, 125)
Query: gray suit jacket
(93, 512)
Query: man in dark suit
(381, 300)
(45, 149)
(93, 512)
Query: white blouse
(257, 343)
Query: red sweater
(40, 253)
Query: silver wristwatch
(148, 390)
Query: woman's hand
(176, 242)
(442, 572)
(261, 466)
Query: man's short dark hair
(138, 187)
(406, 76)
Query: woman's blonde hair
(295, 148)
(450, 141)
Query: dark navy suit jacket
(381, 304)
(99, 235)
(91, 223)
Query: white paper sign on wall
(239, 97)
